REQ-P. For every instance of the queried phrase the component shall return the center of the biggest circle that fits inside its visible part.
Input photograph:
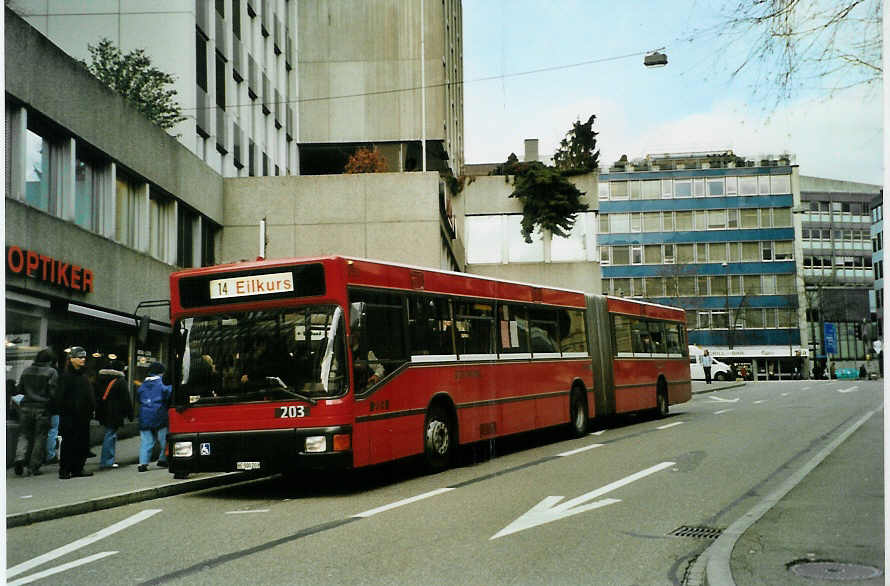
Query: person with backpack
(113, 405)
(38, 386)
(154, 399)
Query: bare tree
(795, 44)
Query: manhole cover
(835, 571)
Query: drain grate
(696, 532)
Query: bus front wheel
(438, 439)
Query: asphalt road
(540, 509)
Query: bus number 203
(291, 411)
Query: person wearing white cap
(76, 405)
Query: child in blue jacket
(154, 400)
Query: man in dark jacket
(76, 405)
(112, 406)
(38, 385)
(154, 400)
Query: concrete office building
(96, 217)
(102, 205)
(281, 87)
(838, 268)
(713, 233)
(877, 261)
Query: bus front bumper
(272, 450)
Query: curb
(126, 498)
(713, 388)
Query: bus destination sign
(250, 285)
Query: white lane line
(722, 411)
(852, 389)
(62, 568)
(784, 394)
(760, 401)
(670, 425)
(600, 432)
(722, 400)
(83, 542)
(407, 501)
(579, 450)
(804, 388)
(247, 512)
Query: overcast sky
(692, 104)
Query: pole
(262, 239)
(422, 88)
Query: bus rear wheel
(578, 414)
(661, 401)
(438, 439)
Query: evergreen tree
(577, 152)
(132, 76)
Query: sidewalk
(31, 499)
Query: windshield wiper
(283, 387)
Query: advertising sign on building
(830, 337)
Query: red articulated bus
(338, 362)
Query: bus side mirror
(142, 324)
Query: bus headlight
(316, 444)
(182, 450)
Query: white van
(719, 370)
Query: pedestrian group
(53, 408)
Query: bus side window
(656, 333)
(544, 331)
(512, 329)
(673, 339)
(622, 335)
(429, 326)
(572, 331)
(642, 343)
(382, 332)
(475, 327)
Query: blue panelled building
(713, 233)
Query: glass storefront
(32, 326)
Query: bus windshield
(272, 355)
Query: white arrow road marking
(670, 425)
(549, 510)
(852, 389)
(413, 499)
(62, 568)
(83, 542)
(579, 450)
(713, 398)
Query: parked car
(719, 370)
